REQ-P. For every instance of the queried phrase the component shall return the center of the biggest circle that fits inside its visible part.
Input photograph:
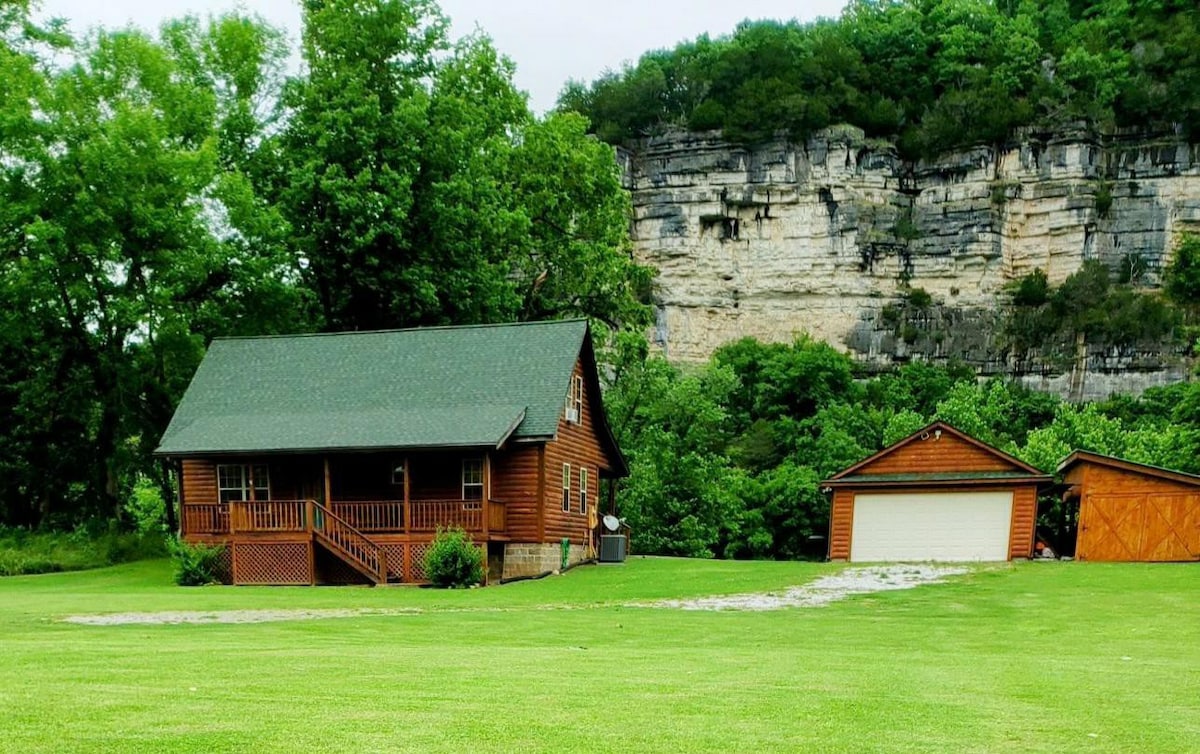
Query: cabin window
(575, 401)
(238, 481)
(566, 490)
(583, 490)
(398, 473)
(472, 479)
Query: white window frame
(574, 407)
(566, 488)
(398, 472)
(583, 490)
(248, 486)
(475, 465)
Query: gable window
(583, 490)
(574, 410)
(566, 490)
(243, 481)
(472, 479)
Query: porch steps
(349, 544)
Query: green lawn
(1036, 657)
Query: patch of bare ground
(824, 590)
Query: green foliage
(25, 552)
(935, 76)
(453, 560)
(918, 298)
(1087, 305)
(421, 190)
(1182, 279)
(1104, 198)
(196, 564)
(901, 425)
(727, 462)
(1031, 290)
(158, 191)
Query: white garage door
(931, 526)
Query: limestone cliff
(824, 238)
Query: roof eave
(1038, 479)
(489, 445)
(1081, 456)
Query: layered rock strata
(825, 237)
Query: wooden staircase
(355, 548)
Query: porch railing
(428, 515)
(268, 515)
(208, 518)
(371, 516)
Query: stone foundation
(536, 559)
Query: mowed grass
(1032, 657)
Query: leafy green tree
(420, 190)
(130, 239)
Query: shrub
(919, 298)
(30, 552)
(452, 560)
(196, 565)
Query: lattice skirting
(331, 569)
(224, 570)
(406, 562)
(416, 562)
(272, 563)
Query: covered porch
(373, 493)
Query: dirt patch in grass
(824, 590)
(820, 592)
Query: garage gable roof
(1087, 456)
(904, 463)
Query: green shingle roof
(429, 387)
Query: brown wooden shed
(1131, 511)
(938, 494)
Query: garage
(937, 495)
(1132, 512)
(949, 526)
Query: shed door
(1140, 527)
(931, 526)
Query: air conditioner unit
(612, 548)
(573, 415)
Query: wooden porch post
(328, 486)
(407, 507)
(487, 493)
(181, 520)
(541, 494)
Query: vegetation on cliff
(934, 75)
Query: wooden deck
(377, 541)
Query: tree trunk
(167, 490)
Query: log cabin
(335, 458)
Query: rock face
(827, 237)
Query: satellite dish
(612, 523)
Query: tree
(129, 240)
(1182, 283)
(421, 190)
